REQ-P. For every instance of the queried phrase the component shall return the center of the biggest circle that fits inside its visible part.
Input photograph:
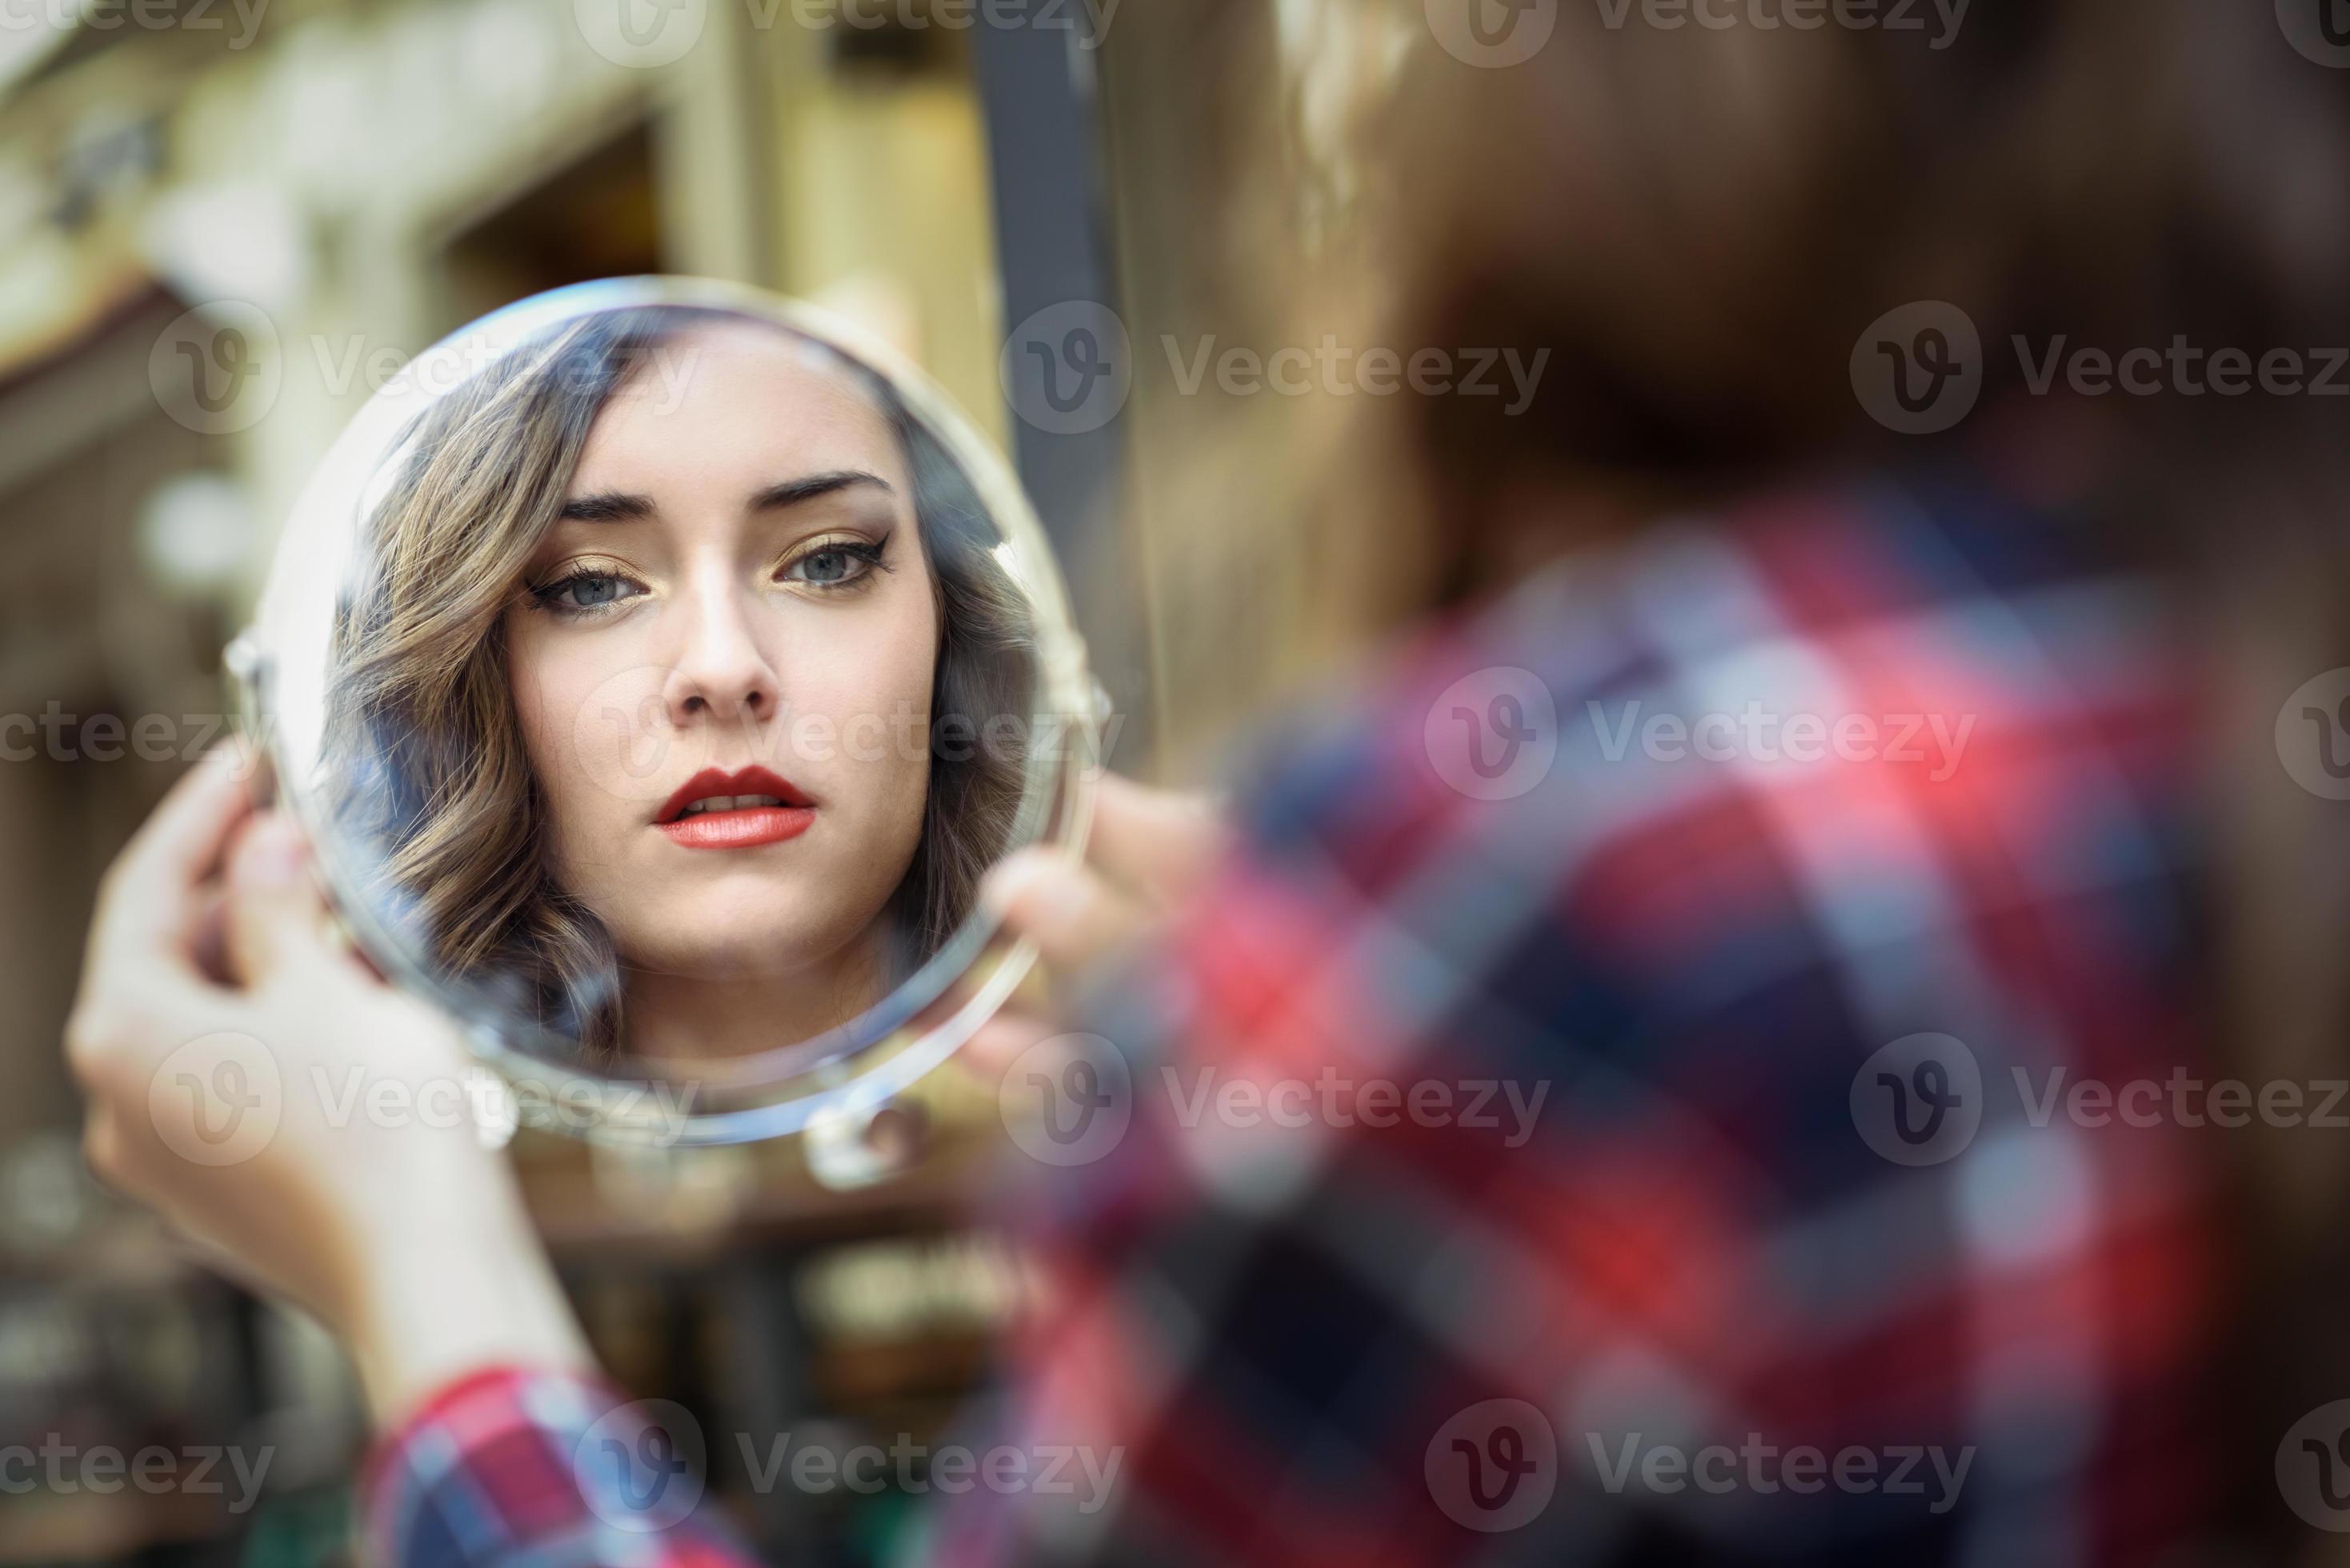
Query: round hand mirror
(657, 666)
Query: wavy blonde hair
(428, 773)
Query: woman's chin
(745, 952)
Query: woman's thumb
(274, 914)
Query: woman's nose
(721, 672)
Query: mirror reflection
(681, 689)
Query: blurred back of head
(1701, 223)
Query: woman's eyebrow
(617, 506)
(793, 491)
(607, 507)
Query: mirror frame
(851, 1070)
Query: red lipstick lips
(717, 810)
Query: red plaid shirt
(1622, 1105)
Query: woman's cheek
(597, 732)
(526, 681)
(911, 695)
(897, 765)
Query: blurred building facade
(223, 226)
(331, 188)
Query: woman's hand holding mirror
(304, 1124)
(1149, 852)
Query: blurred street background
(224, 223)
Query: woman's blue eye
(835, 566)
(583, 590)
(595, 590)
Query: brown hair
(1698, 226)
(424, 750)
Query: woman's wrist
(454, 1280)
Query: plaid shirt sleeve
(1608, 1114)
(522, 1466)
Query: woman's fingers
(1002, 1040)
(1160, 842)
(148, 909)
(1071, 913)
(1148, 849)
(274, 918)
(101, 1147)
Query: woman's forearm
(451, 1280)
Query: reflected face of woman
(722, 656)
